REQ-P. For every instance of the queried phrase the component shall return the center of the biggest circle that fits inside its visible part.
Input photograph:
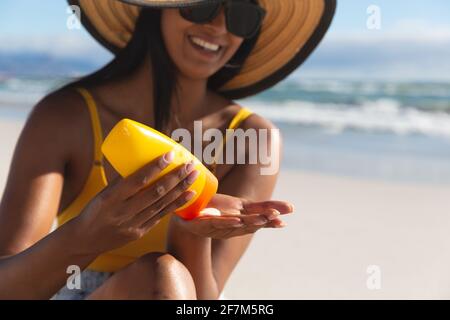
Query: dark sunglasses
(243, 19)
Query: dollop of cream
(210, 212)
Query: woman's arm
(123, 212)
(31, 198)
(40, 271)
(211, 261)
(30, 203)
(34, 267)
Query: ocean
(387, 130)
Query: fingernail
(274, 215)
(189, 167)
(192, 177)
(189, 196)
(166, 159)
(281, 225)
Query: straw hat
(290, 32)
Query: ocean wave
(383, 115)
(360, 87)
(422, 96)
(19, 100)
(24, 93)
(400, 108)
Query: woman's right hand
(128, 208)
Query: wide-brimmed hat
(291, 30)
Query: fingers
(247, 229)
(225, 227)
(253, 223)
(259, 221)
(282, 207)
(220, 222)
(165, 190)
(149, 217)
(257, 218)
(276, 224)
(250, 223)
(129, 186)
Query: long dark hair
(147, 39)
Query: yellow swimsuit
(153, 241)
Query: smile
(205, 45)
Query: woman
(173, 66)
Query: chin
(200, 74)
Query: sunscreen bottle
(131, 145)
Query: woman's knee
(160, 263)
(170, 278)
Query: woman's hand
(128, 208)
(228, 217)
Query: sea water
(388, 130)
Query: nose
(218, 24)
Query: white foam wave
(437, 90)
(18, 100)
(384, 115)
(24, 93)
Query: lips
(204, 54)
(204, 44)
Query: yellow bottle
(131, 145)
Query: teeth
(206, 45)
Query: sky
(24, 17)
(413, 38)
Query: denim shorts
(90, 281)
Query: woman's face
(185, 42)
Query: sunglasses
(243, 19)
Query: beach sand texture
(340, 227)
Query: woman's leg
(154, 276)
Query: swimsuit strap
(96, 125)
(240, 117)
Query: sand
(9, 133)
(341, 227)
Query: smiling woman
(156, 26)
(175, 62)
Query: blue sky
(420, 26)
(19, 17)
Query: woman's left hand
(227, 217)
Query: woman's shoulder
(62, 103)
(61, 110)
(60, 116)
(253, 121)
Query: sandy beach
(9, 133)
(341, 226)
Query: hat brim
(291, 30)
